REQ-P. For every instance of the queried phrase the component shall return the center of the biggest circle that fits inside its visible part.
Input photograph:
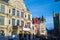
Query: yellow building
(43, 30)
(14, 17)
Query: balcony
(14, 27)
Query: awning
(26, 29)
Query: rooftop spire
(42, 18)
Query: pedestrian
(21, 38)
(10, 39)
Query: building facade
(14, 17)
(36, 25)
(33, 29)
(39, 25)
(43, 30)
(56, 19)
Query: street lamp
(13, 36)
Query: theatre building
(14, 18)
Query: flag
(57, 0)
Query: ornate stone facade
(14, 15)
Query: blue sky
(45, 8)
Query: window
(2, 8)
(22, 14)
(33, 28)
(33, 21)
(14, 32)
(42, 31)
(28, 24)
(22, 23)
(9, 21)
(18, 22)
(13, 11)
(18, 13)
(25, 16)
(28, 17)
(1, 20)
(9, 10)
(36, 20)
(13, 22)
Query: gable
(15, 3)
(19, 4)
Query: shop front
(2, 33)
(26, 33)
(20, 34)
(14, 30)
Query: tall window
(9, 10)
(2, 8)
(13, 22)
(22, 23)
(28, 24)
(18, 13)
(28, 17)
(32, 27)
(42, 31)
(22, 14)
(1, 20)
(9, 21)
(25, 16)
(18, 22)
(13, 11)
